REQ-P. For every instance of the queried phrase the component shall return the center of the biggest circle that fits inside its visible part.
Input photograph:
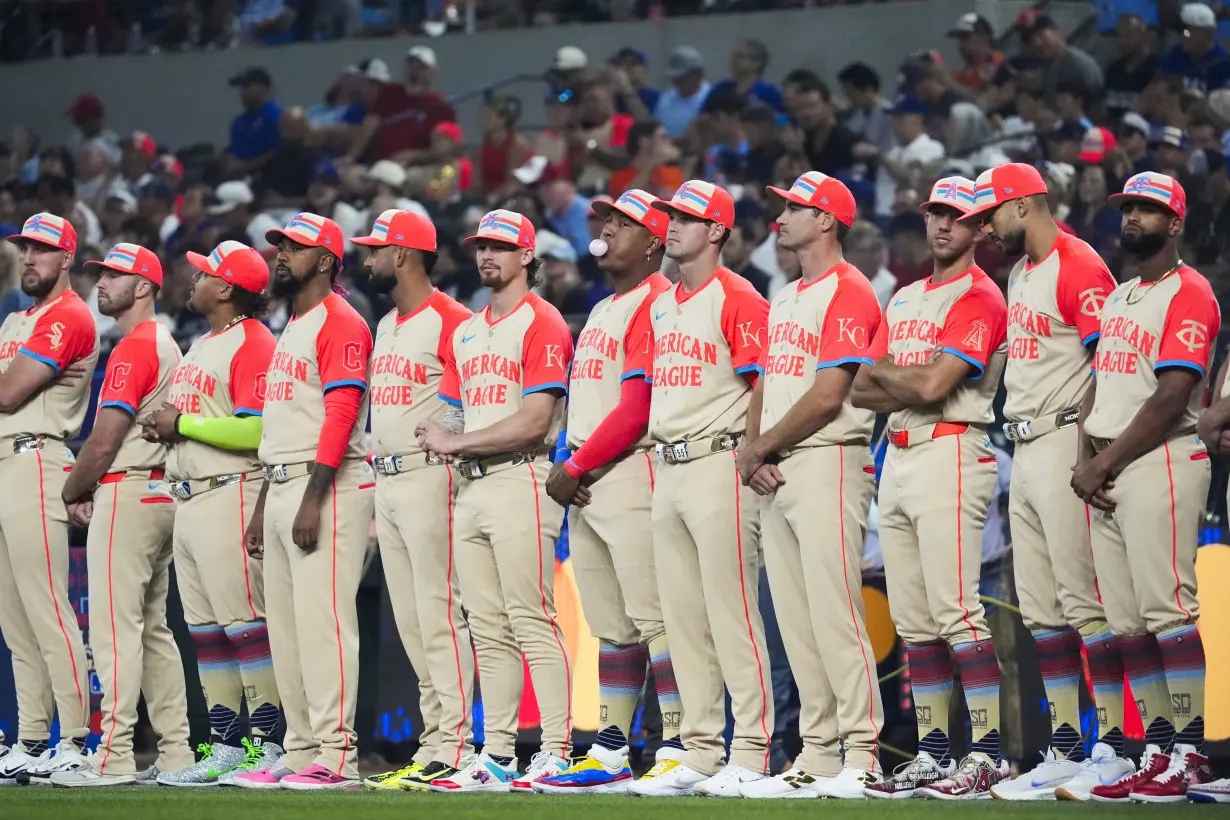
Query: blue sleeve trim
(538, 388)
(245, 411)
(449, 400)
(747, 368)
(123, 405)
(846, 360)
(39, 358)
(758, 369)
(359, 383)
(649, 378)
(1092, 337)
(632, 374)
(972, 361)
(1177, 363)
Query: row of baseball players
(703, 372)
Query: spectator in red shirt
(596, 145)
(976, 42)
(400, 121)
(502, 151)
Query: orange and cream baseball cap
(48, 229)
(504, 226)
(1004, 184)
(129, 258)
(701, 200)
(405, 229)
(312, 230)
(1151, 186)
(822, 192)
(234, 263)
(637, 205)
(955, 192)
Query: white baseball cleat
(478, 773)
(848, 784)
(1218, 791)
(66, 757)
(669, 777)
(727, 782)
(542, 765)
(790, 785)
(17, 763)
(1039, 783)
(1103, 768)
(88, 776)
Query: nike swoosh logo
(782, 302)
(153, 486)
(465, 339)
(899, 303)
(658, 316)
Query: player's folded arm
(523, 431)
(26, 376)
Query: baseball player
(938, 356)
(807, 454)
(1147, 473)
(38, 414)
(414, 493)
(610, 538)
(117, 488)
(1056, 292)
(212, 425)
(505, 379)
(708, 333)
(314, 513)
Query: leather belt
(476, 468)
(1031, 429)
(683, 451)
(155, 474)
(392, 465)
(921, 435)
(1101, 444)
(192, 487)
(281, 473)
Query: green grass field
(211, 804)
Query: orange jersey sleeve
(745, 314)
(976, 324)
(1084, 283)
(879, 340)
(450, 382)
(249, 368)
(343, 348)
(546, 353)
(62, 335)
(1193, 321)
(132, 372)
(638, 341)
(850, 325)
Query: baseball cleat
(1039, 783)
(910, 777)
(148, 777)
(261, 756)
(1152, 764)
(542, 764)
(262, 779)
(669, 777)
(1103, 768)
(478, 773)
(727, 782)
(88, 776)
(1217, 791)
(789, 785)
(972, 780)
(318, 778)
(389, 781)
(16, 765)
(421, 780)
(216, 760)
(602, 771)
(849, 784)
(65, 757)
(1187, 768)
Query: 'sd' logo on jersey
(554, 356)
(1193, 335)
(56, 337)
(976, 339)
(1092, 301)
(857, 334)
(352, 356)
(749, 337)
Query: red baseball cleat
(1187, 768)
(1152, 764)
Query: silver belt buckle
(225, 480)
(385, 465)
(675, 453)
(1019, 431)
(26, 444)
(433, 460)
(472, 469)
(181, 490)
(276, 473)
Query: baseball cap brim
(984, 211)
(371, 241)
(602, 209)
(274, 236)
(200, 262)
(95, 266)
(1118, 200)
(671, 208)
(476, 237)
(948, 203)
(19, 237)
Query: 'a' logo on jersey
(749, 337)
(857, 334)
(1092, 301)
(976, 339)
(56, 335)
(1193, 335)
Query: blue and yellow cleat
(590, 776)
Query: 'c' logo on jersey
(976, 339)
(749, 337)
(857, 334)
(554, 356)
(119, 376)
(352, 356)
(1193, 335)
(1092, 301)
(262, 385)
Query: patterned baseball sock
(621, 677)
(33, 748)
(251, 643)
(669, 702)
(1059, 656)
(220, 681)
(931, 679)
(1183, 661)
(980, 679)
(1106, 673)
(1142, 659)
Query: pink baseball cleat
(317, 777)
(266, 779)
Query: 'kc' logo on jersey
(1193, 335)
(1092, 301)
(554, 356)
(846, 329)
(749, 338)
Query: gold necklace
(241, 317)
(1154, 284)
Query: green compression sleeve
(229, 433)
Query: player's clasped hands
(1091, 480)
(160, 426)
(566, 490)
(81, 513)
(763, 478)
(436, 440)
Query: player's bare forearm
(319, 483)
(1154, 422)
(453, 420)
(755, 408)
(816, 409)
(524, 430)
(25, 377)
(97, 454)
(865, 393)
(921, 384)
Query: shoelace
(908, 770)
(206, 750)
(540, 760)
(252, 755)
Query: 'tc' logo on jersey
(1092, 301)
(748, 337)
(857, 334)
(1193, 335)
(976, 339)
(119, 376)
(554, 356)
(352, 356)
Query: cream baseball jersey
(705, 342)
(965, 317)
(57, 334)
(138, 381)
(829, 322)
(498, 363)
(408, 361)
(222, 375)
(1172, 322)
(326, 348)
(615, 345)
(1054, 318)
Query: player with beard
(608, 480)
(117, 488)
(315, 512)
(1146, 472)
(415, 491)
(938, 357)
(39, 412)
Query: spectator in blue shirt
(566, 213)
(631, 65)
(723, 108)
(747, 66)
(254, 133)
(1197, 58)
(678, 105)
